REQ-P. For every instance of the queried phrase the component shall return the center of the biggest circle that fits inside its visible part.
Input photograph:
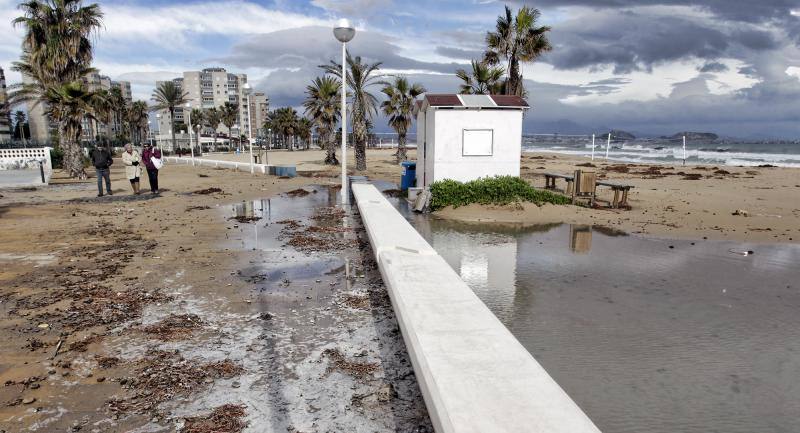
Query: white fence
(21, 167)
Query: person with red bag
(151, 157)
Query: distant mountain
(694, 136)
(617, 135)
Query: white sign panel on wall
(478, 142)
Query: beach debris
(299, 192)
(585, 164)
(162, 375)
(106, 361)
(174, 327)
(245, 219)
(740, 212)
(617, 168)
(741, 252)
(393, 192)
(58, 347)
(223, 419)
(207, 191)
(337, 361)
(191, 208)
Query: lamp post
(158, 136)
(230, 133)
(344, 33)
(249, 126)
(189, 120)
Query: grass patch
(498, 190)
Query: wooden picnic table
(550, 181)
(618, 189)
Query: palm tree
(363, 105)
(19, 121)
(517, 39)
(322, 106)
(304, 127)
(482, 80)
(229, 113)
(168, 96)
(118, 108)
(198, 116)
(399, 108)
(284, 122)
(213, 118)
(56, 53)
(137, 120)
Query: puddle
(646, 335)
(39, 259)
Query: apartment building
(5, 110)
(213, 87)
(114, 127)
(41, 126)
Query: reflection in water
(646, 338)
(580, 238)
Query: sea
(666, 151)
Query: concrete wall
(444, 139)
(20, 167)
(200, 162)
(474, 375)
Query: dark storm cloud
(713, 67)
(752, 11)
(630, 41)
(459, 53)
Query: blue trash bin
(409, 177)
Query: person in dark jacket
(149, 153)
(101, 159)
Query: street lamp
(344, 33)
(189, 120)
(246, 88)
(158, 137)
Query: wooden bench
(550, 181)
(617, 188)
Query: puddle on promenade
(646, 335)
(328, 350)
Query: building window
(477, 142)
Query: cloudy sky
(650, 66)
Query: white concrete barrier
(200, 162)
(21, 167)
(474, 374)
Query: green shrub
(497, 190)
(57, 157)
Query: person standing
(133, 166)
(101, 159)
(152, 162)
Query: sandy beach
(666, 201)
(172, 282)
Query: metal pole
(345, 195)
(191, 147)
(684, 150)
(608, 144)
(592, 147)
(250, 133)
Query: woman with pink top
(152, 162)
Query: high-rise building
(92, 129)
(40, 125)
(5, 110)
(213, 87)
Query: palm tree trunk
(73, 156)
(330, 146)
(513, 86)
(172, 128)
(401, 147)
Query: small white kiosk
(466, 137)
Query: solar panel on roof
(478, 101)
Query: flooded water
(646, 335)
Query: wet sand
(689, 202)
(114, 278)
(165, 323)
